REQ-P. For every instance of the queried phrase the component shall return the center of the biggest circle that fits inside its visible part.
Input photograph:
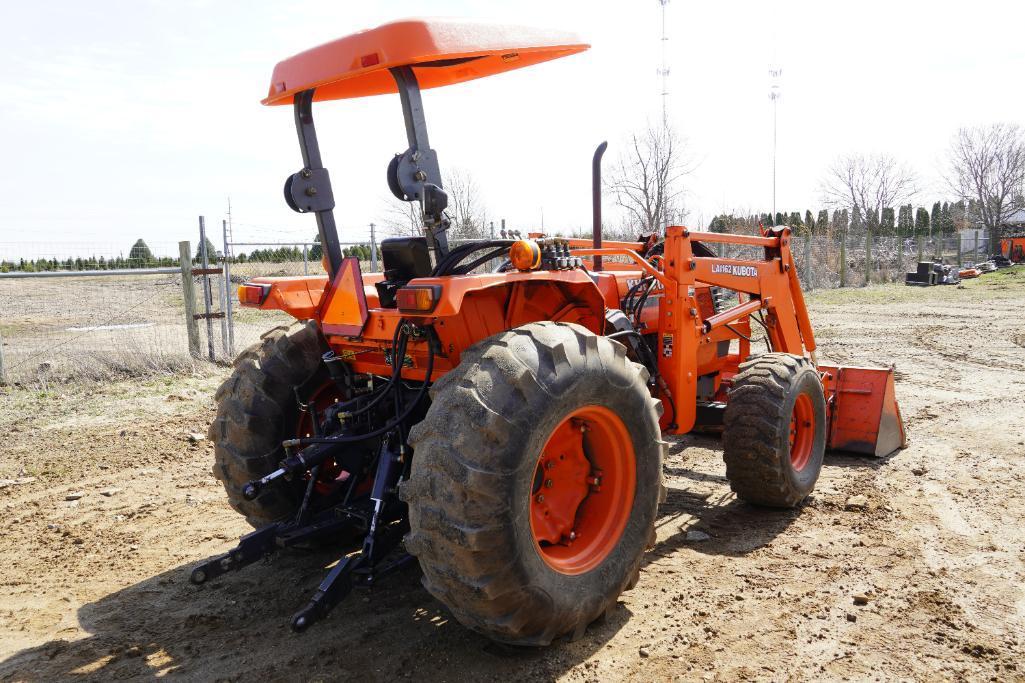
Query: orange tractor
(504, 426)
(1012, 248)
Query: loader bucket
(863, 413)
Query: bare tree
(647, 179)
(403, 220)
(867, 184)
(987, 169)
(466, 209)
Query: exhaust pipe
(596, 201)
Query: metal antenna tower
(664, 68)
(229, 237)
(774, 94)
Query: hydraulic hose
(454, 257)
(398, 352)
(391, 425)
(652, 364)
(296, 462)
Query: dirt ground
(97, 587)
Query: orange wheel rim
(321, 399)
(583, 490)
(802, 432)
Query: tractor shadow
(715, 525)
(702, 513)
(236, 628)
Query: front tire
(513, 532)
(774, 430)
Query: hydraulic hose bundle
(305, 459)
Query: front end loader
(503, 426)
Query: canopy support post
(415, 175)
(310, 149)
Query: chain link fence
(828, 262)
(824, 262)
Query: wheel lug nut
(540, 499)
(548, 483)
(550, 464)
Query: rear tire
(774, 430)
(256, 410)
(475, 481)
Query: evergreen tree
(211, 251)
(886, 223)
(822, 224)
(857, 223)
(958, 218)
(139, 255)
(904, 220)
(947, 221)
(809, 222)
(936, 219)
(921, 221)
(872, 220)
(780, 219)
(316, 251)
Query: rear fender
(298, 296)
(301, 297)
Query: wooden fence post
(843, 259)
(189, 294)
(3, 367)
(807, 262)
(868, 255)
(900, 259)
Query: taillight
(418, 298)
(253, 294)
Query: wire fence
(855, 261)
(97, 324)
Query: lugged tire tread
(753, 429)
(251, 405)
(460, 524)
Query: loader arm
(863, 412)
(771, 284)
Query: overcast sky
(127, 119)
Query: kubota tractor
(505, 428)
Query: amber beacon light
(525, 255)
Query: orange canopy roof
(441, 52)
